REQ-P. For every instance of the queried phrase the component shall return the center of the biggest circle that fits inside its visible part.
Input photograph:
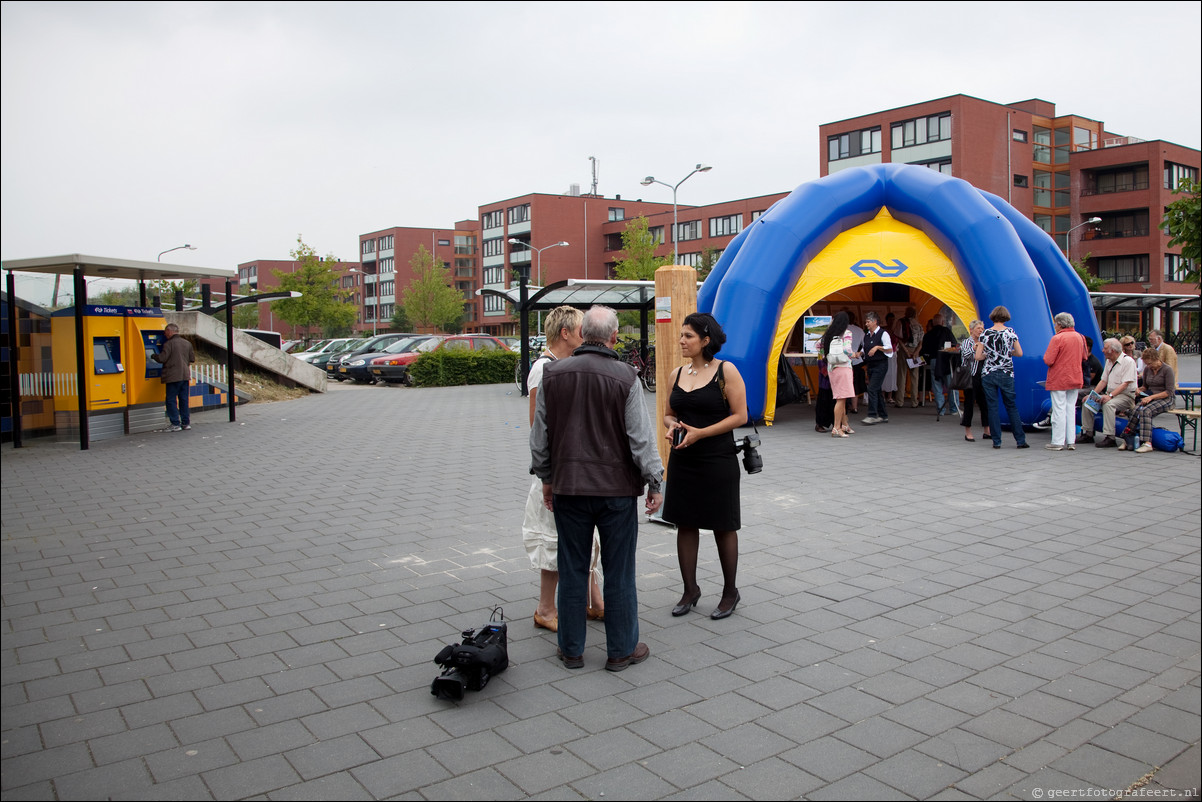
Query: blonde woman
(538, 527)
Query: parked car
(353, 364)
(322, 350)
(329, 363)
(395, 367)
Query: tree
(430, 301)
(1092, 283)
(641, 262)
(323, 304)
(709, 258)
(1183, 223)
(400, 319)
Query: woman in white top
(538, 527)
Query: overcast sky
(130, 128)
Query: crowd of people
(882, 365)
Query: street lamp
(524, 315)
(649, 180)
(176, 248)
(538, 254)
(376, 315)
(1068, 239)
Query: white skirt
(542, 539)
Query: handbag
(962, 378)
(837, 355)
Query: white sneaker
(177, 428)
(870, 420)
(1144, 448)
(186, 426)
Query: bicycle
(632, 355)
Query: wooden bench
(1188, 417)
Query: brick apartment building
(385, 257)
(1061, 171)
(259, 276)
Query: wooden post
(675, 299)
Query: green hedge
(448, 368)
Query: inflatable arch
(900, 224)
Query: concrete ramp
(248, 348)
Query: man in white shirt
(1117, 390)
(877, 353)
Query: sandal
(838, 434)
(848, 430)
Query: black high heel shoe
(719, 613)
(686, 604)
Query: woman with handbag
(708, 402)
(836, 346)
(974, 393)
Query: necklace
(693, 370)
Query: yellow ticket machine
(104, 377)
(144, 336)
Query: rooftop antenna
(593, 159)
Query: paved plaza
(251, 610)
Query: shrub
(449, 368)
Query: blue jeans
(177, 404)
(941, 389)
(876, 377)
(616, 521)
(1001, 382)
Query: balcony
(520, 256)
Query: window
(492, 219)
(1061, 138)
(757, 215)
(688, 231)
(1018, 135)
(921, 130)
(613, 242)
(1124, 269)
(853, 143)
(386, 265)
(1173, 173)
(726, 226)
(465, 244)
(690, 259)
(368, 246)
(1120, 226)
(518, 214)
(494, 247)
(1175, 267)
(444, 242)
(1084, 139)
(494, 275)
(616, 214)
(386, 243)
(1021, 181)
(493, 303)
(655, 232)
(387, 287)
(1123, 180)
(1042, 151)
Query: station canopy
(580, 293)
(105, 267)
(1142, 302)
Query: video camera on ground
(752, 461)
(482, 655)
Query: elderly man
(1117, 391)
(593, 446)
(1168, 357)
(877, 351)
(176, 357)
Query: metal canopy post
(81, 298)
(14, 367)
(229, 349)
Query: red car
(395, 367)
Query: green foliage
(246, 316)
(400, 319)
(709, 258)
(445, 368)
(1092, 283)
(1183, 223)
(641, 262)
(323, 304)
(430, 301)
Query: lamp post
(649, 180)
(176, 248)
(1068, 239)
(376, 315)
(538, 265)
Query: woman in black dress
(708, 402)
